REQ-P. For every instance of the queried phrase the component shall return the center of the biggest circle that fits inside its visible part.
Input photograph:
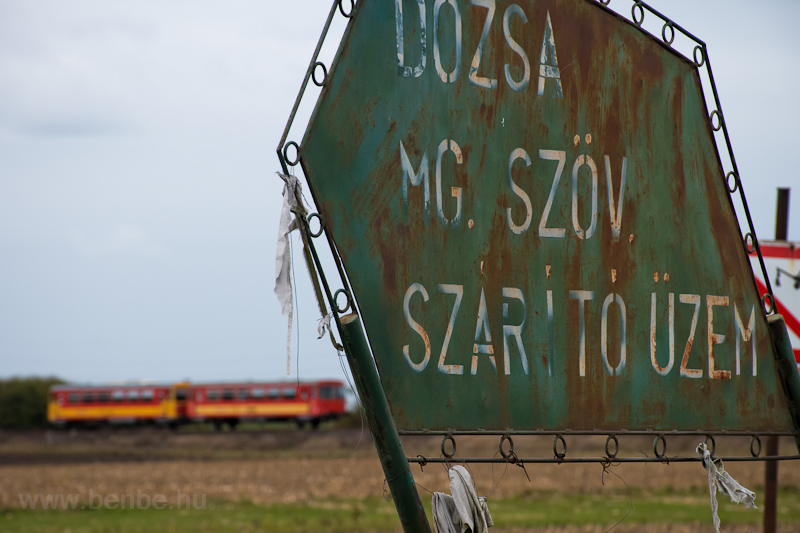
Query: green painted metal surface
(532, 213)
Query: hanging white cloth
(283, 259)
(718, 478)
(464, 511)
(324, 325)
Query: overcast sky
(138, 198)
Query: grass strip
(533, 509)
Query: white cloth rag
(464, 511)
(283, 257)
(324, 325)
(718, 478)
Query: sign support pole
(381, 425)
(787, 368)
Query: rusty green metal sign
(533, 216)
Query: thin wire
(297, 312)
(423, 488)
(606, 468)
(505, 469)
(360, 411)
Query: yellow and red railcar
(91, 405)
(179, 403)
(231, 403)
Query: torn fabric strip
(718, 478)
(324, 325)
(464, 511)
(283, 257)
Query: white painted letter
(454, 191)
(746, 334)
(458, 290)
(561, 157)
(622, 335)
(402, 69)
(584, 160)
(515, 331)
(519, 153)
(437, 60)
(550, 334)
(482, 325)
(421, 177)
(662, 371)
(480, 81)
(713, 338)
(419, 367)
(582, 297)
(690, 372)
(615, 212)
(545, 70)
(518, 86)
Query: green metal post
(381, 425)
(787, 369)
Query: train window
(102, 397)
(258, 394)
(133, 395)
(289, 394)
(198, 397)
(227, 394)
(243, 394)
(180, 394)
(339, 393)
(147, 395)
(117, 395)
(74, 397)
(88, 397)
(274, 394)
(213, 395)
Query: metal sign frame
(346, 314)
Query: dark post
(771, 467)
(782, 215)
(381, 425)
(771, 487)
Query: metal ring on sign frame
(768, 309)
(749, 243)
(450, 438)
(713, 444)
(308, 220)
(324, 74)
(663, 441)
(612, 438)
(735, 181)
(753, 452)
(702, 60)
(669, 25)
(510, 452)
(336, 300)
(558, 439)
(637, 21)
(349, 13)
(605, 2)
(286, 153)
(719, 120)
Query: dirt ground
(297, 466)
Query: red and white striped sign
(782, 262)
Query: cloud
(124, 239)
